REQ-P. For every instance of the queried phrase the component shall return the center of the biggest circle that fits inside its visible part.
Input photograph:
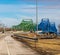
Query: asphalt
(9, 46)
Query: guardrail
(33, 45)
(26, 37)
(27, 40)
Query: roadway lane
(9, 46)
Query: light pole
(37, 15)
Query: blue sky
(13, 11)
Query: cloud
(34, 1)
(25, 8)
(14, 8)
(29, 12)
(50, 0)
(9, 21)
(15, 21)
(21, 17)
(37, 0)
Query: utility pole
(37, 15)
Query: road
(9, 46)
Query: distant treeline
(6, 29)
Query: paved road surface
(9, 46)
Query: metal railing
(32, 42)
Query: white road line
(7, 47)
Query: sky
(12, 12)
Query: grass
(44, 46)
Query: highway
(9, 46)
